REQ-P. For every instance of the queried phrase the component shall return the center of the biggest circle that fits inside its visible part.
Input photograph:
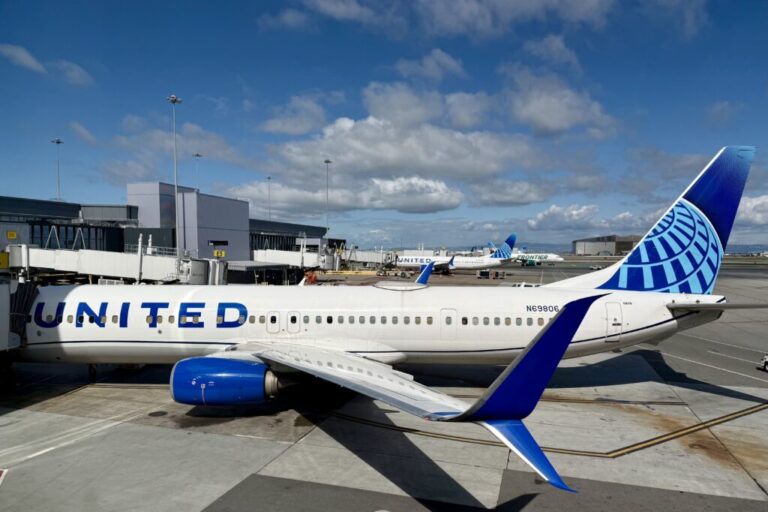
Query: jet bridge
(133, 266)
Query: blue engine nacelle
(220, 381)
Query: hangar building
(611, 245)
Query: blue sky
(449, 123)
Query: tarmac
(678, 426)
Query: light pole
(58, 142)
(197, 156)
(173, 99)
(327, 173)
(269, 197)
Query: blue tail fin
(505, 251)
(683, 251)
(426, 271)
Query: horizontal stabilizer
(723, 306)
(516, 436)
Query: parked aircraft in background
(535, 258)
(235, 345)
(502, 254)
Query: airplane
(442, 263)
(531, 258)
(237, 345)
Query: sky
(447, 122)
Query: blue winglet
(514, 394)
(517, 438)
(450, 263)
(426, 271)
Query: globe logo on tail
(681, 254)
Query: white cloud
(288, 18)
(402, 105)
(411, 194)
(565, 217)
(153, 147)
(509, 193)
(133, 123)
(377, 147)
(753, 211)
(689, 15)
(466, 110)
(83, 132)
(549, 106)
(552, 49)
(301, 115)
(73, 73)
(20, 56)
(433, 66)
(120, 172)
(491, 18)
(722, 111)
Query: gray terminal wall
(206, 218)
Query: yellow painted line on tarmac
(642, 445)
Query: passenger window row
(497, 321)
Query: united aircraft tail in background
(683, 251)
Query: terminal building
(611, 245)
(210, 227)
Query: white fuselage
(478, 325)
(459, 262)
(539, 257)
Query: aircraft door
(293, 322)
(614, 321)
(273, 322)
(448, 324)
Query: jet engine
(220, 381)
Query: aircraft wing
(511, 397)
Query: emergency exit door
(614, 321)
